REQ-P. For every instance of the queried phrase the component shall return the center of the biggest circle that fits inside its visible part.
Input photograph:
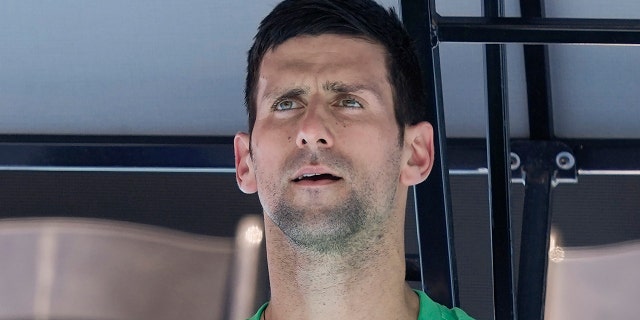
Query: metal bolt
(515, 161)
(565, 160)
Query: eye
(283, 105)
(350, 103)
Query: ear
(419, 153)
(245, 176)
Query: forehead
(324, 57)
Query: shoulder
(259, 312)
(430, 310)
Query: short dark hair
(358, 18)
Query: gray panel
(465, 8)
(120, 67)
(166, 67)
(459, 8)
(464, 90)
(595, 91)
(613, 9)
(517, 92)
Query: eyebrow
(331, 86)
(341, 87)
(288, 93)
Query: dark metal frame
(540, 165)
(433, 197)
(30, 152)
(538, 30)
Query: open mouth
(316, 177)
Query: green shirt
(429, 310)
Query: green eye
(350, 103)
(283, 105)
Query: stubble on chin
(328, 230)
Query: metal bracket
(553, 155)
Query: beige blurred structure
(594, 283)
(96, 269)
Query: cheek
(380, 148)
(265, 139)
(265, 181)
(269, 132)
(268, 158)
(374, 138)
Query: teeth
(307, 175)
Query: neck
(363, 282)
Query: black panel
(598, 210)
(203, 203)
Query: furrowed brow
(287, 93)
(341, 87)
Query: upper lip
(310, 171)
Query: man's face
(324, 149)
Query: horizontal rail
(538, 30)
(465, 156)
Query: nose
(313, 130)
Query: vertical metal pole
(498, 155)
(433, 200)
(536, 218)
(535, 238)
(536, 67)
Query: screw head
(565, 160)
(515, 161)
